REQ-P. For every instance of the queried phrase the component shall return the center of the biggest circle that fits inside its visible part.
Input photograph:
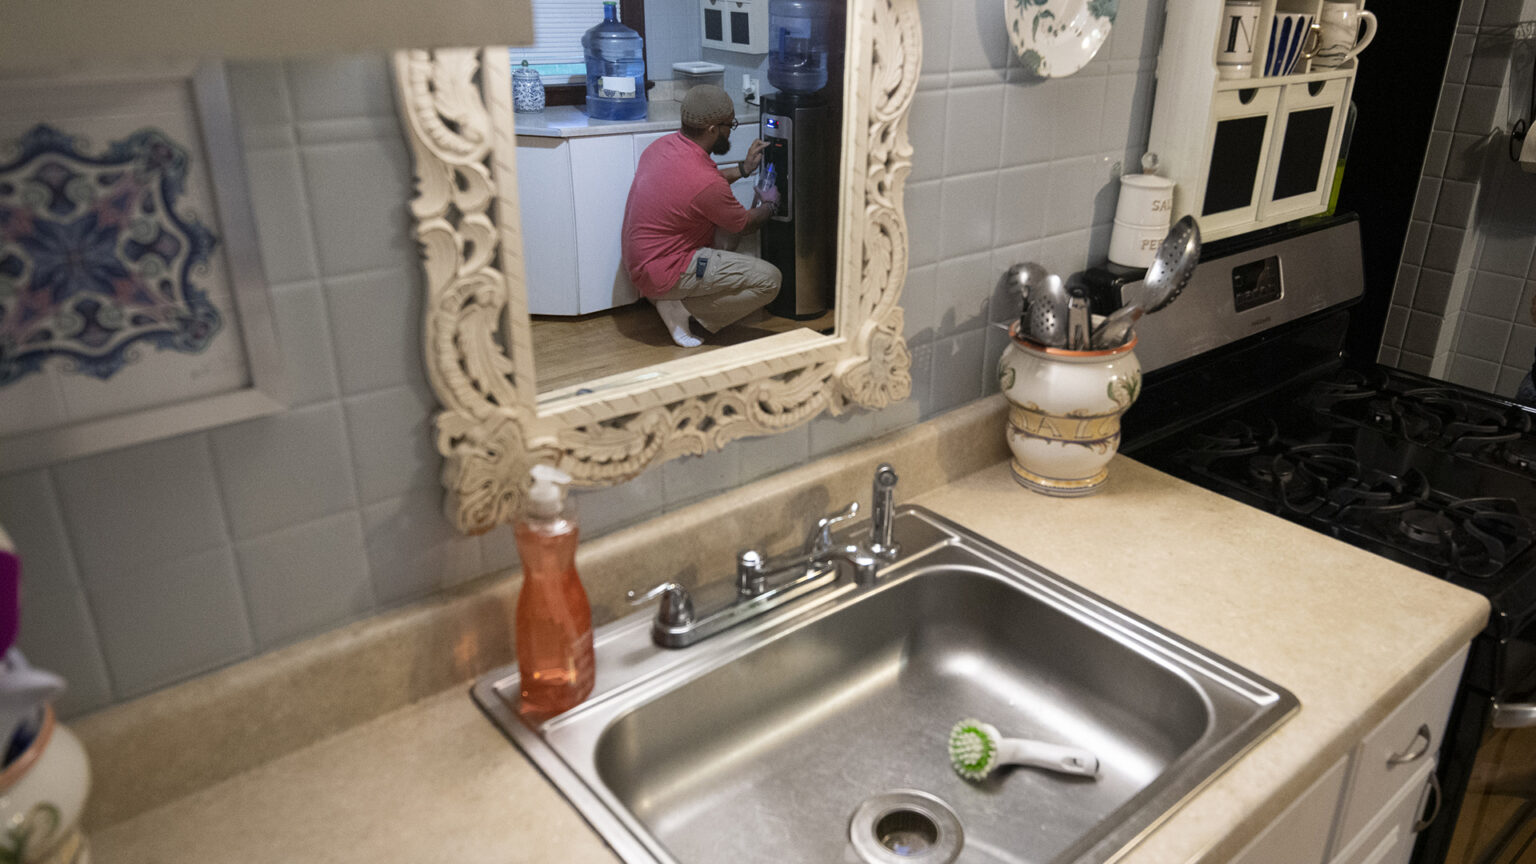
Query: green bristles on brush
(972, 749)
(976, 749)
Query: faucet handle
(676, 606)
(821, 536)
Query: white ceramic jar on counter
(1064, 412)
(42, 794)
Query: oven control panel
(1256, 283)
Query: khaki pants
(733, 286)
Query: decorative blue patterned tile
(96, 259)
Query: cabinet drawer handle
(1432, 789)
(1416, 750)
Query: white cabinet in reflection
(572, 193)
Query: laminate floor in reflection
(570, 350)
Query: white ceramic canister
(1146, 201)
(1134, 246)
(42, 794)
(1064, 411)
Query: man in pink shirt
(681, 222)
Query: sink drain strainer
(906, 825)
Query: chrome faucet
(763, 584)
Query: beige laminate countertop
(1349, 633)
(569, 121)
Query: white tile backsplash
(957, 364)
(391, 438)
(284, 235)
(167, 562)
(141, 504)
(284, 469)
(328, 88)
(1483, 338)
(304, 340)
(965, 287)
(1077, 115)
(975, 114)
(1028, 118)
(979, 41)
(376, 322)
(966, 214)
(357, 194)
(162, 621)
(927, 125)
(412, 550)
(306, 578)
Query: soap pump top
(547, 497)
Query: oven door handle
(1514, 715)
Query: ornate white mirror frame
(457, 108)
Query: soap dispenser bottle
(554, 620)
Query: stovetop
(1437, 477)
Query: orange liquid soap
(554, 619)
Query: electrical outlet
(748, 87)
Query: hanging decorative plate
(1055, 38)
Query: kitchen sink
(818, 733)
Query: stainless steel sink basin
(763, 743)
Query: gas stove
(1249, 393)
(1431, 476)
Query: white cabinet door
(1389, 838)
(602, 167)
(1300, 834)
(549, 224)
(1394, 753)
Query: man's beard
(722, 146)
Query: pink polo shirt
(675, 203)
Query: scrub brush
(976, 749)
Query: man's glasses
(734, 124)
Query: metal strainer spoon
(1176, 258)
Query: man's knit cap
(705, 104)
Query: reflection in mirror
(1465, 311)
(457, 108)
(676, 251)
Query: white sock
(675, 315)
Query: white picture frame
(243, 377)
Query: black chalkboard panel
(1234, 164)
(1301, 154)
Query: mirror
(456, 105)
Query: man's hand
(769, 195)
(754, 157)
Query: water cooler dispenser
(803, 133)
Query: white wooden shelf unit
(1244, 153)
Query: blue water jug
(798, 35)
(615, 69)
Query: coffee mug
(1238, 37)
(1341, 39)
(1292, 38)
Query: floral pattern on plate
(1055, 38)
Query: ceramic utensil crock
(1064, 412)
(42, 794)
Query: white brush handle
(1052, 757)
